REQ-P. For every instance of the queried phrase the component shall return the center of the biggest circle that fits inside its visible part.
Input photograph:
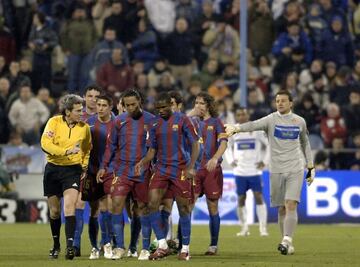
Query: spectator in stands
(292, 13)
(102, 51)
(44, 96)
(7, 43)
(192, 92)
(309, 75)
(138, 67)
(134, 11)
(218, 89)
(225, 115)
(336, 44)
(341, 88)
(27, 115)
(355, 75)
(15, 77)
(321, 161)
(115, 76)
(160, 67)
(4, 92)
(161, 14)
(16, 140)
(4, 70)
(351, 112)
(4, 122)
(261, 28)
(338, 159)
(208, 74)
(180, 61)
(42, 41)
(166, 84)
(116, 21)
(330, 71)
(222, 42)
(144, 47)
(291, 84)
(99, 12)
(316, 26)
(255, 107)
(310, 112)
(329, 11)
(187, 9)
(26, 70)
(332, 125)
(231, 77)
(198, 28)
(142, 83)
(77, 47)
(293, 39)
(354, 163)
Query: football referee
(67, 143)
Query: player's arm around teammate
(67, 143)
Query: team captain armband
(222, 136)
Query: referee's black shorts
(59, 178)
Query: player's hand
(74, 150)
(99, 175)
(230, 129)
(211, 164)
(190, 173)
(310, 176)
(260, 165)
(138, 168)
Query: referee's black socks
(55, 225)
(70, 223)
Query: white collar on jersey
(284, 115)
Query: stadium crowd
(309, 47)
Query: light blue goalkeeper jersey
(288, 141)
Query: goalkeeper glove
(231, 129)
(310, 176)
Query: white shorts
(285, 186)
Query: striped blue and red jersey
(196, 122)
(100, 134)
(169, 138)
(85, 116)
(212, 132)
(128, 144)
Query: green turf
(315, 245)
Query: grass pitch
(315, 245)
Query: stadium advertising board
(334, 197)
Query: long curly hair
(210, 104)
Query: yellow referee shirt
(59, 137)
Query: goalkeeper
(288, 140)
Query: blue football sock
(104, 227)
(93, 231)
(118, 229)
(165, 220)
(179, 234)
(146, 231)
(157, 225)
(214, 225)
(185, 223)
(79, 216)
